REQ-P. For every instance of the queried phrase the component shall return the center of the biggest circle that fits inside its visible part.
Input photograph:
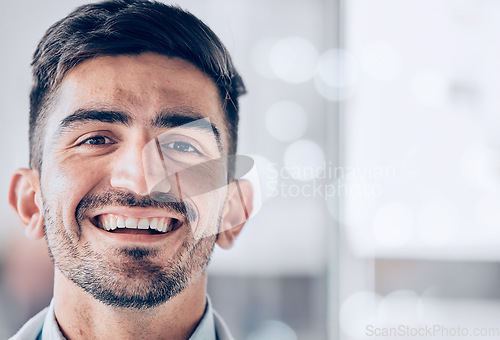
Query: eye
(181, 147)
(97, 140)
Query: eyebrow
(170, 118)
(103, 116)
(183, 117)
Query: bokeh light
(359, 310)
(479, 166)
(337, 75)
(437, 221)
(393, 225)
(402, 307)
(286, 120)
(260, 57)
(304, 160)
(294, 59)
(487, 213)
(381, 60)
(430, 88)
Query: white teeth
(159, 224)
(131, 223)
(143, 223)
(154, 224)
(112, 224)
(120, 222)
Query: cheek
(210, 206)
(66, 178)
(64, 184)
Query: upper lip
(137, 212)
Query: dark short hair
(130, 27)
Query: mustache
(127, 199)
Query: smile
(122, 223)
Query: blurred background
(374, 127)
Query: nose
(155, 167)
(128, 169)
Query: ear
(236, 211)
(25, 198)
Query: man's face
(99, 166)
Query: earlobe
(24, 197)
(236, 212)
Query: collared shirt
(43, 326)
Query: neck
(80, 316)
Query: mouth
(122, 224)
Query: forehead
(141, 85)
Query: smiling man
(133, 129)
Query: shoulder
(32, 328)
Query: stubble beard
(126, 277)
